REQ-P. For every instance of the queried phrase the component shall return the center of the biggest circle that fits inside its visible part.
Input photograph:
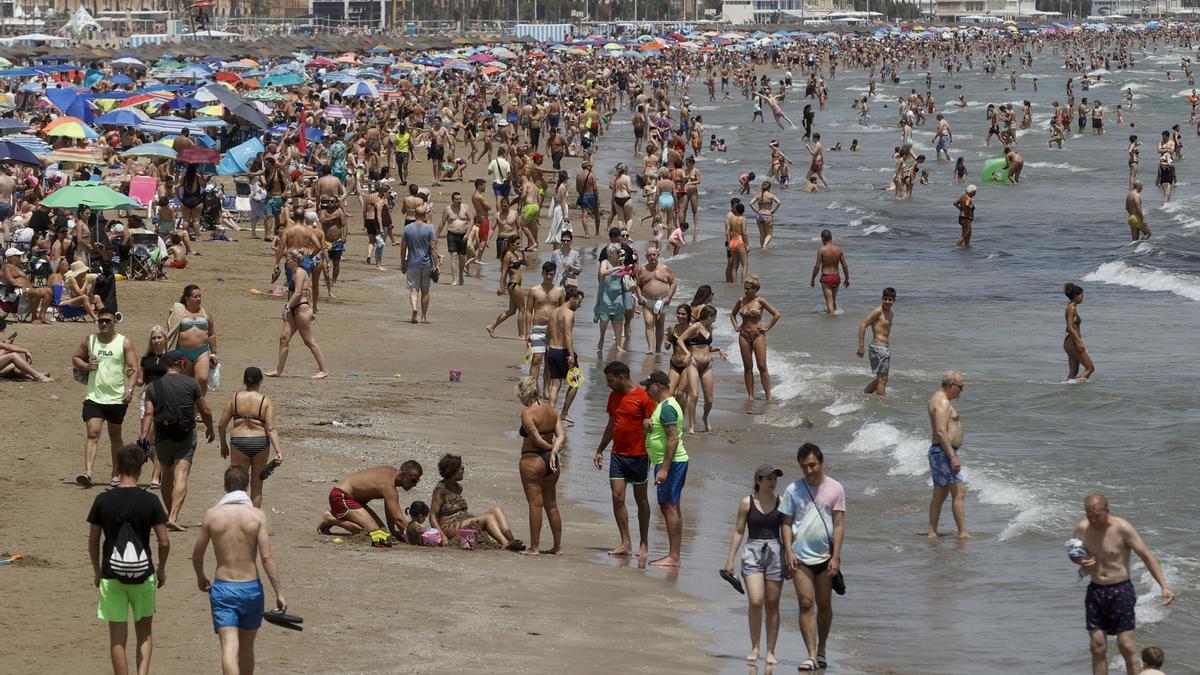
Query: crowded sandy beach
(577, 355)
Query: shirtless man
(506, 226)
(276, 182)
(239, 535)
(531, 212)
(372, 204)
(1136, 219)
(1110, 600)
(8, 185)
(942, 138)
(299, 236)
(735, 236)
(348, 499)
(13, 275)
(944, 466)
(880, 321)
(333, 224)
(330, 188)
(829, 256)
(655, 290)
(765, 204)
(1013, 163)
(481, 208)
(456, 220)
(588, 201)
(540, 303)
(560, 350)
(817, 168)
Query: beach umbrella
(377, 61)
(150, 150)
(78, 155)
(487, 58)
(284, 79)
(123, 117)
(338, 112)
(225, 76)
(15, 152)
(71, 127)
(13, 123)
(71, 104)
(264, 95)
(88, 193)
(361, 88)
(198, 155)
(321, 62)
(238, 106)
(37, 146)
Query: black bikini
(544, 454)
(695, 341)
(249, 446)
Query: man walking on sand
(664, 446)
(814, 514)
(1110, 599)
(111, 365)
(172, 402)
(125, 574)
(628, 408)
(239, 535)
(348, 499)
(540, 303)
(944, 466)
(829, 256)
(880, 321)
(419, 258)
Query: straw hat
(77, 268)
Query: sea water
(1036, 444)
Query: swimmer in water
(1077, 353)
(1133, 210)
(773, 102)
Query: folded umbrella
(238, 106)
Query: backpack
(167, 420)
(129, 560)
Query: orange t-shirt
(627, 412)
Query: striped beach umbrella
(361, 88)
(339, 112)
(70, 127)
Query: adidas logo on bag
(129, 563)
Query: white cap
(13, 251)
(118, 228)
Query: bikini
(544, 454)
(249, 446)
(188, 323)
(695, 341)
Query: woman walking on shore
(762, 562)
(697, 339)
(510, 277)
(192, 330)
(1077, 353)
(752, 335)
(298, 317)
(682, 386)
(254, 431)
(610, 303)
(542, 439)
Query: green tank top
(106, 384)
(656, 441)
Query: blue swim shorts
(670, 491)
(236, 604)
(939, 467)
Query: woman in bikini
(298, 316)
(622, 196)
(665, 197)
(765, 204)
(679, 178)
(752, 335)
(697, 340)
(682, 386)
(510, 283)
(191, 198)
(449, 513)
(1134, 149)
(542, 439)
(194, 333)
(1077, 353)
(254, 431)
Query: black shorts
(629, 468)
(556, 363)
(113, 413)
(372, 227)
(456, 243)
(436, 152)
(1097, 123)
(501, 248)
(818, 569)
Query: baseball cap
(13, 251)
(657, 377)
(765, 470)
(174, 357)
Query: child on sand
(418, 513)
(475, 248)
(676, 239)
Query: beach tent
(237, 159)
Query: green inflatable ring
(993, 168)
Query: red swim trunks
(341, 503)
(831, 280)
(484, 228)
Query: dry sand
(404, 609)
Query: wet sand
(404, 609)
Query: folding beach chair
(66, 312)
(147, 253)
(144, 189)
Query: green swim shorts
(116, 598)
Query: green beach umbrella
(89, 193)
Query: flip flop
(733, 581)
(279, 618)
(84, 480)
(821, 662)
(809, 664)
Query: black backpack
(129, 559)
(167, 420)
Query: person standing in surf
(880, 321)
(1111, 599)
(829, 256)
(944, 466)
(966, 216)
(1077, 353)
(1135, 217)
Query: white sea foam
(909, 454)
(1180, 573)
(877, 229)
(793, 377)
(842, 407)
(1123, 274)
(1057, 165)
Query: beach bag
(81, 374)
(467, 538)
(214, 377)
(628, 283)
(431, 538)
(129, 560)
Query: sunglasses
(104, 322)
